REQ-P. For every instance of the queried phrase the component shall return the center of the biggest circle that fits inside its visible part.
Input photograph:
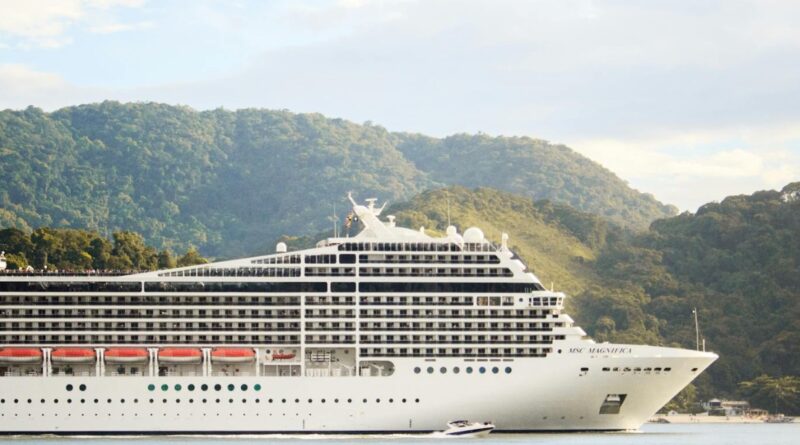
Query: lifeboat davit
(180, 355)
(282, 356)
(126, 355)
(232, 355)
(72, 355)
(20, 355)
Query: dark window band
(451, 287)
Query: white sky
(691, 101)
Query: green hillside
(230, 182)
(533, 168)
(738, 262)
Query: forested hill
(737, 262)
(230, 182)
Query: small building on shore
(717, 407)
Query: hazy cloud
(44, 23)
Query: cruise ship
(390, 330)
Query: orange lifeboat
(282, 356)
(20, 355)
(180, 355)
(232, 355)
(126, 355)
(72, 355)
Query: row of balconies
(177, 300)
(434, 272)
(428, 259)
(138, 314)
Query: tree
(191, 258)
(779, 394)
(131, 252)
(15, 241)
(166, 260)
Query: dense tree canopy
(231, 182)
(81, 250)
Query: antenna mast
(696, 329)
(335, 227)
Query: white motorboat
(465, 428)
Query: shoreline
(706, 419)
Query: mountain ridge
(230, 182)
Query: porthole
(416, 400)
(230, 400)
(41, 401)
(178, 387)
(164, 387)
(283, 400)
(216, 401)
(391, 400)
(482, 370)
(121, 400)
(163, 400)
(55, 400)
(69, 387)
(177, 400)
(151, 387)
(151, 401)
(270, 400)
(349, 400)
(335, 400)
(108, 401)
(322, 401)
(296, 400)
(217, 387)
(430, 369)
(231, 387)
(456, 370)
(364, 401)
(257, 387)
(495, 370)
(82, 387)
(204, 387)
(404, 400)
(377, 400)
(417, 370)
(508, 370)
(244, 400)
(190, 387)
(244, 387)
(469, 369)
(309, 400)
(205, 400)
(443, 370)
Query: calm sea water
(651, 434)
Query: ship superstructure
(391, 330)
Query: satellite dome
(473, 235)
(280, 248)
(451, 230)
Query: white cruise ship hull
(551, 394)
